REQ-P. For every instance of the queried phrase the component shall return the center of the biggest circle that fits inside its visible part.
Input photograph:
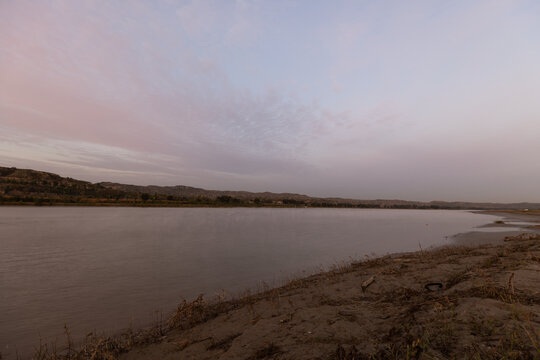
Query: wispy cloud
(308, 97)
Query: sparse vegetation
(30, 187)
(484, 311)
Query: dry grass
(423, 325)
(96, 347)
(438, 336)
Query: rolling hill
(32, 187)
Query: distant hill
(188, 191)
(29, 185)
(25, 186)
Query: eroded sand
(489, 306)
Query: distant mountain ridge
(26, 186)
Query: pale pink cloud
(337, 102)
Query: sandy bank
(488, 307)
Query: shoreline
(243, 205)
(480, 237)
(328, 316)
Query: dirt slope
(489, 306)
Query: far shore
(213, 204)
(479, 300)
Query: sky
(414, 100)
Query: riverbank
(107, 269)
(38, 188)
(488, 306)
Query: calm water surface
(107, 268)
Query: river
(106, 268)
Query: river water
(95, 268)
